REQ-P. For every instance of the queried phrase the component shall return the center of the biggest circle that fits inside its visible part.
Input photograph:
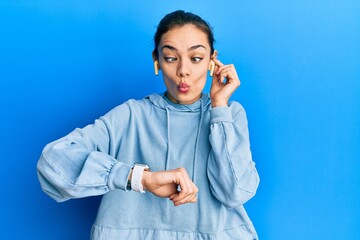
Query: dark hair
(180, 18)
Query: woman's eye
(170, 59)
(196, 59)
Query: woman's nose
(184, 68)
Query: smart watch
(137, 172)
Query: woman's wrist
(219, 104)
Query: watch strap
(136, 177)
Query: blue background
(65, 63)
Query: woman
(196, 145)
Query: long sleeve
(231, 171)
(80, 165)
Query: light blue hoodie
(212, 144)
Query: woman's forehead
(187, 36)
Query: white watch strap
(136, 178)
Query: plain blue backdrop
(65, 63)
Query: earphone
(211, 67)
(156, 67)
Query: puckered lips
(183, 87)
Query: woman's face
(184, 57)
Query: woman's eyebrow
(197, 46)
(169, 47)
(190, 48)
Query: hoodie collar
(162, 101)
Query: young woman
(183, 145)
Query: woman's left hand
(225, 81)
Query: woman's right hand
(166, 183)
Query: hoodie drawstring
(168, 137)
(193, 178)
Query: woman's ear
(214, 55)
(154, 56)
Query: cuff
(221, 114)
(118, 177)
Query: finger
(172, 197)
(192, 187)
(224, 68)
(221, 76)
(217, 77)
(215, 66)
(230, 75)
(182, 198)
(217, 62)
(186, 189)
(189, 199)
(179, 177)
(192, 198)
(186, 183)
(223, 73)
